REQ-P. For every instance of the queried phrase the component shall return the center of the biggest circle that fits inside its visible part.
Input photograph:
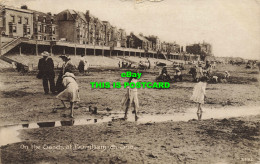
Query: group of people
(140, 65)
(67, 89)
(164, 75)
(66, 86)
(197, 71)
(124, 64)
(206, 72)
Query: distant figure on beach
(199, 93)
(131, 99)
(66, 67)
(83, 64)
(196, 73)
(207, 69)
(71, 91)
(46, 72)
(214, 65)
(178, 74)
(163, 75)
(149, 63)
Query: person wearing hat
(178, 74)
(66, 67)
(46, 72)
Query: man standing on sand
(46, 72)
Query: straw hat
(68, 74)
(65, 57)
(45, 53)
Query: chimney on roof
(24, 7)
(87, 15)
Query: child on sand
(131, 99)
(199, 92)
(71, 92)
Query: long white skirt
(71, 93)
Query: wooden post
(117, 53)
(64, 51)
(110, 52)
(36, 47)
(85, 49)
(20, 50)
(51, 49)
(75, 51)
(135, 53)
(103, 49)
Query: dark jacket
(46, 68)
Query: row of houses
(204, 49)
(15, 22)
(77, 27)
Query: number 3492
(246, 159)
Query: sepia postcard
(129, 81)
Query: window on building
(65, 17)
(44, 29)
(53, 38)
(28, 31)
(20, 20)
(44, 19)
(14, 29)
(52, 21)
(44, 38)
(13, 18)
(40, 37)
(53, 30)
(36, 17)
(39, 28)
(26, 20)
(10, 29)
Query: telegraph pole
(36, 48)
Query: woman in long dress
(71, 91)
(66, 67)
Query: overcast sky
(231, 26)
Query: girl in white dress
(71, 92)
(199, 92)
